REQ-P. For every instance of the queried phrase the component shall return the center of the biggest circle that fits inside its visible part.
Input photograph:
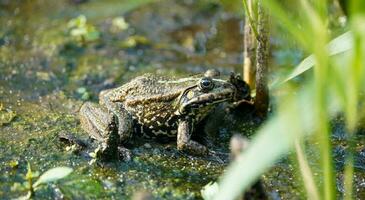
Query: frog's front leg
(184, 142)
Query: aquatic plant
(118, 24)
(32, 184)
(82, 31)
(304, 112)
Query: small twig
(250, 19)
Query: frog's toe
(106, 152)
(124, 154)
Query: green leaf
(209, 191)
(52, 175)
(83, 187)
(92, 36)
(29, 174)
(338, 45)
(79, 21)
(283, 128)
(119, 24)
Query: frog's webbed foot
(101, 126)
(243, 91)
(184, 142)
(124, 154)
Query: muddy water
(46, 74)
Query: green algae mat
(55, 55)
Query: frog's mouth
(206, 100)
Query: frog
(154, 106)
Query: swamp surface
(47, 70)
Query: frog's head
(207, 92)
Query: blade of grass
(306, 172)
(262, 152)
(351, 106)
(318, 28)
(348, 176)
(340, 44)
(250, 18)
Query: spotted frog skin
(156, 107)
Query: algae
(46, 75)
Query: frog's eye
(206, 84)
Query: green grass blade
(307, 175)
(284, 129)
(256, 160)
(338, 45)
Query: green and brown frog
(156, 107)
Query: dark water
(46, 74)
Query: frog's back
(150, 87)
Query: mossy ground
(46, 74)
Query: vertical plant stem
(354, 86)
(323, 132)
(323, 135)
(262, 54)
(249, 67)
(353, 90)
(323, 129)
(248, 5)
(316, 17)
(355, 8)
(31, 189)
(29, 178)
(348, 174)
(309, 184)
